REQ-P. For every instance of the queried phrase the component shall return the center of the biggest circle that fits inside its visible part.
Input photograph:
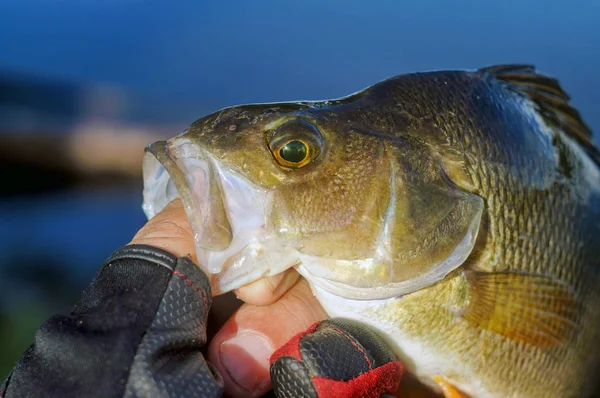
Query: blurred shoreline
(62, 135)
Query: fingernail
(246, 359)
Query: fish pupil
(294, 151)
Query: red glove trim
(373, 384)
(292, 347)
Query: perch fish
(455, 212)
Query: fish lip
(158, 168)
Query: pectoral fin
(448, 389)
(533, 309)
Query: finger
(242, 348)
(269, 289)
(169, 230)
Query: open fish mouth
(227, 213)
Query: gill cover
(427, 229)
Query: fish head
(269, 187)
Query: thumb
(169, 230)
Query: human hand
(141, 328)
(276, 308)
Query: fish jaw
(227, 213)
(316, 270)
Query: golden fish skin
(456, 212)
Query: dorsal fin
(551, 99)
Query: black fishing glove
(139, 329)
(136, 332)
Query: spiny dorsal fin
(551, 99)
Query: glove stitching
(192, 285)
(355, 344)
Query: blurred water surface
(110, 75)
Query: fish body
(456, 212)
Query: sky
(222, 53)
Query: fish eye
(295, 144)
(294, 151)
